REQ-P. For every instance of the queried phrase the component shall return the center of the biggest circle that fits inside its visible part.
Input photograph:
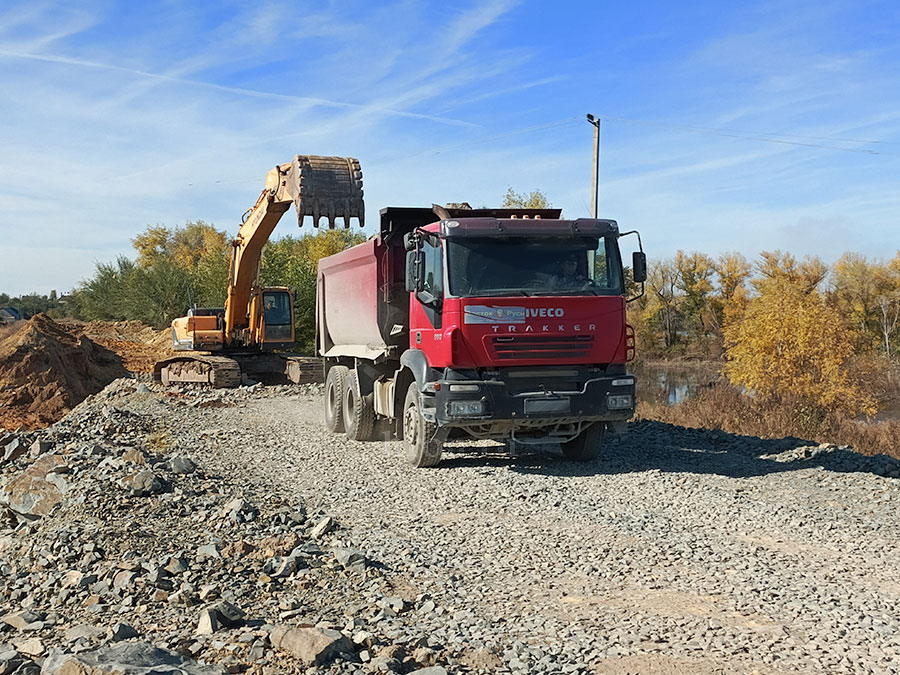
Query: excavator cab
(272, 318)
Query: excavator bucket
(327, 187)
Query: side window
(434, 278)
(600, 273)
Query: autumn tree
(868, 294)
(695, 272)
(805, 275)
(791, 343)
(732, 272)
(661, 306)
(519, 200)
(888, 300)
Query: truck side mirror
(415, 271)
(409, 242)
(639, 267)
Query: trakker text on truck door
(485, 323)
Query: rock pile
(122, 554)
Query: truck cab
(511, 326)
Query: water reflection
(672, 384)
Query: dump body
(361, 303)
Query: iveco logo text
(544, 311)
(509, 313)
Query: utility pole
(595, 183)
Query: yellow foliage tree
(151, 244)
(695, 273)
(184, 246)
(733, 270)
(855, 291)
(777, 266)
(791, 342)
(519, 200)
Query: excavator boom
(320, 187)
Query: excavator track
(222, 371)
(213, 371)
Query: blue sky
(747, 127)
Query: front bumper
(606, 398)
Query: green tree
(106, 295)
(293, 262)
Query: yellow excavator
(226, 344)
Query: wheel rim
(411, 425)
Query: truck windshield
(481, 267)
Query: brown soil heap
(46, 369)
(138, 345)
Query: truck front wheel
(586, 445)
(334, 398)
(359, 414)
(419, 436)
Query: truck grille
(540, 346)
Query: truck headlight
(465, 408)
(618, 401)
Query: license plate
(538, 406)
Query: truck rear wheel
(419, 436)
(359, 414)
(586, 445)
(334, 398)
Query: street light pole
(595, 183)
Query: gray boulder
(131, 658)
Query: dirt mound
(46, 369)
(137, 344)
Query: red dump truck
(478, 323)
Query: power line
(765, 137)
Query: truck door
(432, 295)
(426, 317)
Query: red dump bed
(362, 306)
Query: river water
(676, 381)
(671, 383)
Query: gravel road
(677, 550)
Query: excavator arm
(321, 187)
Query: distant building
(9, 314)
